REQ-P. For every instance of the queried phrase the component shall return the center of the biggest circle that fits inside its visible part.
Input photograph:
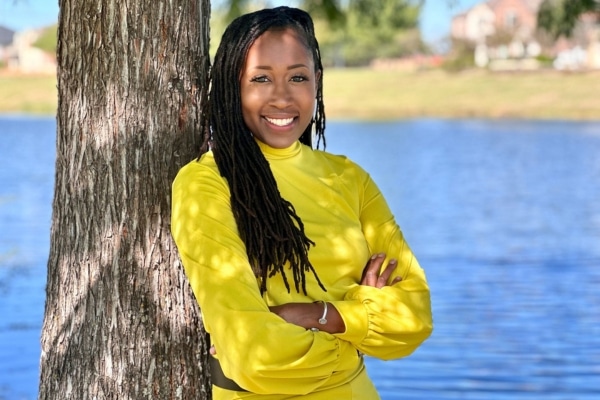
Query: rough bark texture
(120, 319)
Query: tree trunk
(120, 319)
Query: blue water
(503, 215)
(27, 151)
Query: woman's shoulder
(199, 169)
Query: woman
(274, 235)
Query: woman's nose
(281, 95)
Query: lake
(503, 215)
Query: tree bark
(120, 319)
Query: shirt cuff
(356, 318)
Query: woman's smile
(280, 121)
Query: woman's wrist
(322, 320)
(327, 319)
(307, 315)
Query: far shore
(370, 94)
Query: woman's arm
(386, 320)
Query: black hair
(268, 224)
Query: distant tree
(47, 40)
(331, 9)
(382, 29)
(460, 56)
(559, 17)
(370, 29)
(353, 32)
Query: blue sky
(437, 14)
(23, 14)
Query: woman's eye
(299, 78)
(260, 79)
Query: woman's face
(278, 88)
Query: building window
(511, 19)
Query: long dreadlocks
(268, 224)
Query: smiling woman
(278, 88)
(292, 253)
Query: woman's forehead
(276, 43)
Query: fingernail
(393, 261)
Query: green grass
(370, 94)
(28, 94)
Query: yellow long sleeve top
(346, 216)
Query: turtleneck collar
(272, 153)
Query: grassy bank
(370, 94)
(392, 94)
(28, 94)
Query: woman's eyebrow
(268, 67)
(298, 66)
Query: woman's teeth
(280, 122)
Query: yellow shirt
(346, 216)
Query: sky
(19, 15)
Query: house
(502, 31)
(6, 40)
(26, 58)
(18, 54)
(518, 17)
(505, 36)
(474, 25)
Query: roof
(533, 5)
(6, 36)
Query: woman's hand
(371, 275)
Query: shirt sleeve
(256, 348)
(393, 321)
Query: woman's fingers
(371, 271)
(373, 277)
(387, 272)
